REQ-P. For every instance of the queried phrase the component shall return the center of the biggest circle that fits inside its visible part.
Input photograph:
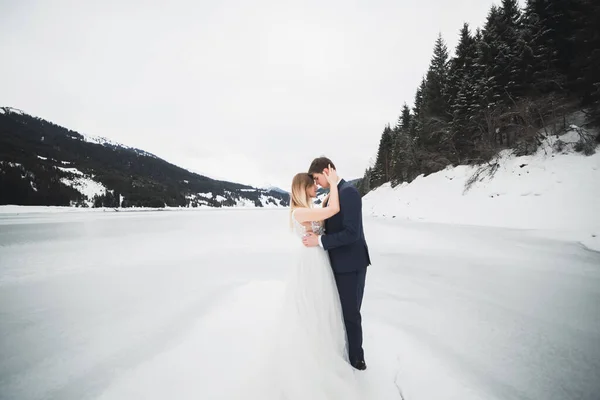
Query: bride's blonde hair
(299, 197)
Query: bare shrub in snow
(587, 142)
(482, 172)
(522, 122)
(559, 146)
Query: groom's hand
(310, 240)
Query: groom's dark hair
(319, 164)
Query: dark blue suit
(345, 242)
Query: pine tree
(464, 57)
(559, 24)
(508, 57)
(587, 60)
(405, 119)
(364, 185)
(402, 151)
(462, 95)
(495, 83)
(499, 56)
(435, 111)
(477, 82)
(546, 27)
(488, 87)
(436, 89)
(416, 127)
(382, 170)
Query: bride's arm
(319, 214)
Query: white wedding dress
(307, 357)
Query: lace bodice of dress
(300, 230)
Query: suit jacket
(344, 237)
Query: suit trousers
(351, 286)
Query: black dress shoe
(360, 365)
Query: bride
(311, 355)
(305, 355)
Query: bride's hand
(332, 176)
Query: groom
(345, 242)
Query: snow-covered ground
(85, 184)
(159, 305)
(555, 192)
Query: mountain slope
(555, 190)
(42, 163)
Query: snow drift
(555, 190)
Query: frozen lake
(155, 305)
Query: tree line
(526, 69)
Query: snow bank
(555, 191)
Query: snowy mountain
(42, 163)
(276, 189)
(556, 189)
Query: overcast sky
(247, 91)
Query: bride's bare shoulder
(299, 215)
